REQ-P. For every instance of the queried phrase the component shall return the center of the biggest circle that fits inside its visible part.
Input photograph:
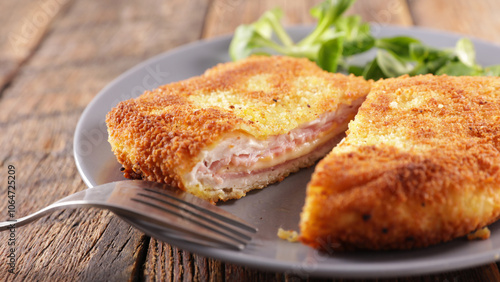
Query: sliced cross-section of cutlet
(239, 126)
(420, 165)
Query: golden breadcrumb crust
(420, 165)
(159, 135)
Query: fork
(185, 216)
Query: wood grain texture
(383, 12)
(82, 50)
(22, 27)
(224, 16)
(472, 18)
(50, 74)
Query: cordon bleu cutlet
(420, 165)
(239, 126)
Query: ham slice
(240, 160)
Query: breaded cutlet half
(229, 130)
(420, 165)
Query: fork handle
(75, 200)
(7, 225)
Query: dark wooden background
(56, 55)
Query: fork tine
(177, 222)
(190, 200)
(214, 221)
(180, 212)
(197, 222)
(226, 217)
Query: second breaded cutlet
(420, 165)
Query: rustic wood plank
(87, 46)
(483, 273)
(383, 12)
(167, 263)
(473, 18)
(224, 16)
(240, 273)
(22, 27)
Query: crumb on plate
(289, 235)
(480, 234)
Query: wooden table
(56, 55)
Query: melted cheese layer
(241, 155)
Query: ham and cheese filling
(240, 158)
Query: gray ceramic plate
(278, 205)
